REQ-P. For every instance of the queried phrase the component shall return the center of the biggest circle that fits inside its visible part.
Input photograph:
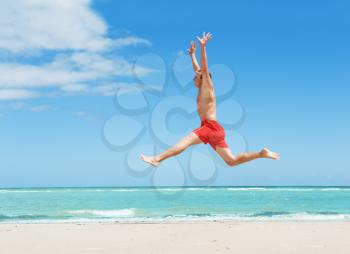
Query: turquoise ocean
(139, 204)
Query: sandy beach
(177, 237)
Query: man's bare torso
(206, 101)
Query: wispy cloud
(67, 69)
(16, 106)
(80, 113)
(85, 115)
(14, 94)
(13, 105)
(42, 108)
(131, 40)
(82, 55)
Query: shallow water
(174, 203)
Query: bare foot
(150, 160)
(266, 153)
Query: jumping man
(210, 131)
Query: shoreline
(303, 217)
(170, 222)
(189, 221)
(115, 222)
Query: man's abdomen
(207, 111)
(206, 104)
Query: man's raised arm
(204, 60)
(192, 52)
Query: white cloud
(19, 105)
(41, 108)
(15, 94)
(85, 115)
(105, 90)
(65, 70)
(61, 24)
(72, 27)
(131, 40)
(81, 113)
(27, 25)
(45, 24)
(16, 105)
(74, 88)
(110, 89)
(124, 88)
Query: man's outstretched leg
(191, 139)
(233, 160)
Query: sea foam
(106, 213)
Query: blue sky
(61, 63)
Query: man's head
(198, 78)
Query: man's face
(197, 79)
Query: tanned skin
(206, 108)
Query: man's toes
(275, 156)
(142, 157)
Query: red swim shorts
(211, 132)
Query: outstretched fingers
(209, 36)
(205, 38)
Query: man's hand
(192, 52)
(192, 48)
(205, 38)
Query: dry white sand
(180, 237)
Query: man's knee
(231, 162)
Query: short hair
(209, 75)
